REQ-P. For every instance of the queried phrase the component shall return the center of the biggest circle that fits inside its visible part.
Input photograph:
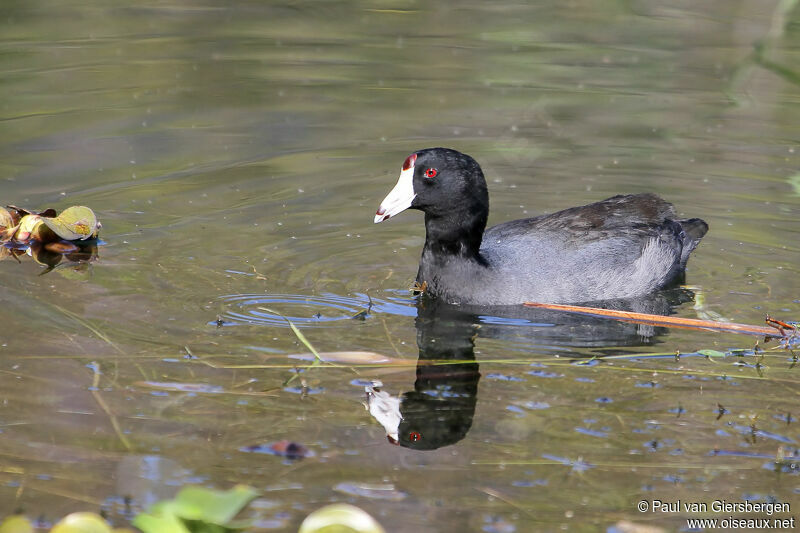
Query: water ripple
(307, 311)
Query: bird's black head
(441, 182)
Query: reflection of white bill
(385, 408)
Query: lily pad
(42, 233)
(16, 524)
(214, 509)
(81, 523)
(340, 518)
(160, 523)
(214, 506)
(74, 223)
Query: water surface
(235, 155)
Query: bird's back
(621, 247)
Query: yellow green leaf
(26, 227)
(42, 233)
(16, 524)
(81, 523)
(6, 220)
(74, 223)
(340, 518)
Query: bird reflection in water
(440, 409)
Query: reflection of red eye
(431, 173)
(414, 436)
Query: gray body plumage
(623, 247)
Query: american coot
(623, 247)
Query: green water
(235, 154)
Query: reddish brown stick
(658, 320)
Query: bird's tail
(693, 231)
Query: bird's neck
(457, 234)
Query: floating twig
(666, 321)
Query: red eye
(414, 436)
(431, 173)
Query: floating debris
(283, 448)
(49, 237)
(20, 227)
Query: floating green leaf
(711, 353)
(23, 226)
(340, 518)
(16, 524)
(215, 506)
(161, 523)
(74, 223)
(81, 523)
(197, 510)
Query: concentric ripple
(307, 311)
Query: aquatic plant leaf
(7, 234)
(42, 233)
(18, 212)
(340, 518)
(6, 220)
(213, 506)
(159, 523)
(26, 227)
(711, 353)
(16, 524)
(197, 510)
(74, 223)
(81, 523)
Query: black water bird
(622, 247)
